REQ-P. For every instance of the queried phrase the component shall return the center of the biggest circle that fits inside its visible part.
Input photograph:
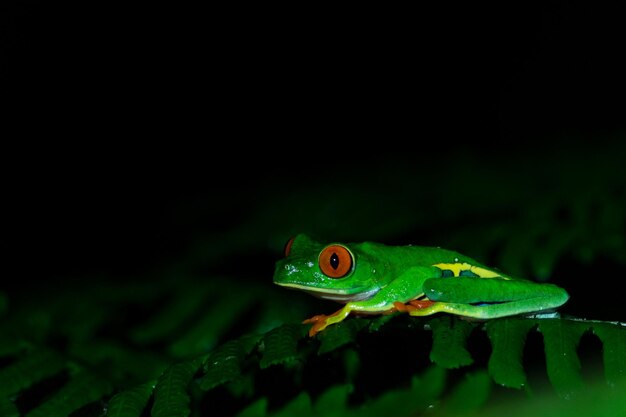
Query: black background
(117, 114)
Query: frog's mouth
(342, 296)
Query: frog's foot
(321, 321)
(419, 304)
(315, 319)
(401, 307)
(412, 305)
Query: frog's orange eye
(335, 261)
(288, 244)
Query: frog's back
(412, 255)
(435, 255)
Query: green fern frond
(299, 406)
(121, 364)
(613, 337)
(256, 409)
(82, 388)
(507, 346)
(280, 345)
(224, 363)
(450, 340)
(425, 391)
(171, 395)
(469, 395)
(561, 338)
(32, 367)
(340, 334)
(132, 402)
(333, 401)
(595, 400)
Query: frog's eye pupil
(336, 261)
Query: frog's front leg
(403, 289)
(321, 321)
(375, 305)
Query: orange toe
(314, 319)
(421, 303)
(400, 306)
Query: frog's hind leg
(480, 311)
(459, 309)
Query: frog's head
(339, 272)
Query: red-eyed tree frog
(374, 278)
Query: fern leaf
(120, 363)
(508, 337)
(596, 400)
(561, 338)
(132, 402)
(351, 363)
(171, 397)
(256, 409)
(424, 391)
(280, 345)
(333, 401)
(34, 367)
(83, 388)
(376, 323)
(299, 406)
(613, 337)
(470, 394)
(449, 341)
(340, 334)
(223, 363)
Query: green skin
(414, 279)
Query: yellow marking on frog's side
(457, 267)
